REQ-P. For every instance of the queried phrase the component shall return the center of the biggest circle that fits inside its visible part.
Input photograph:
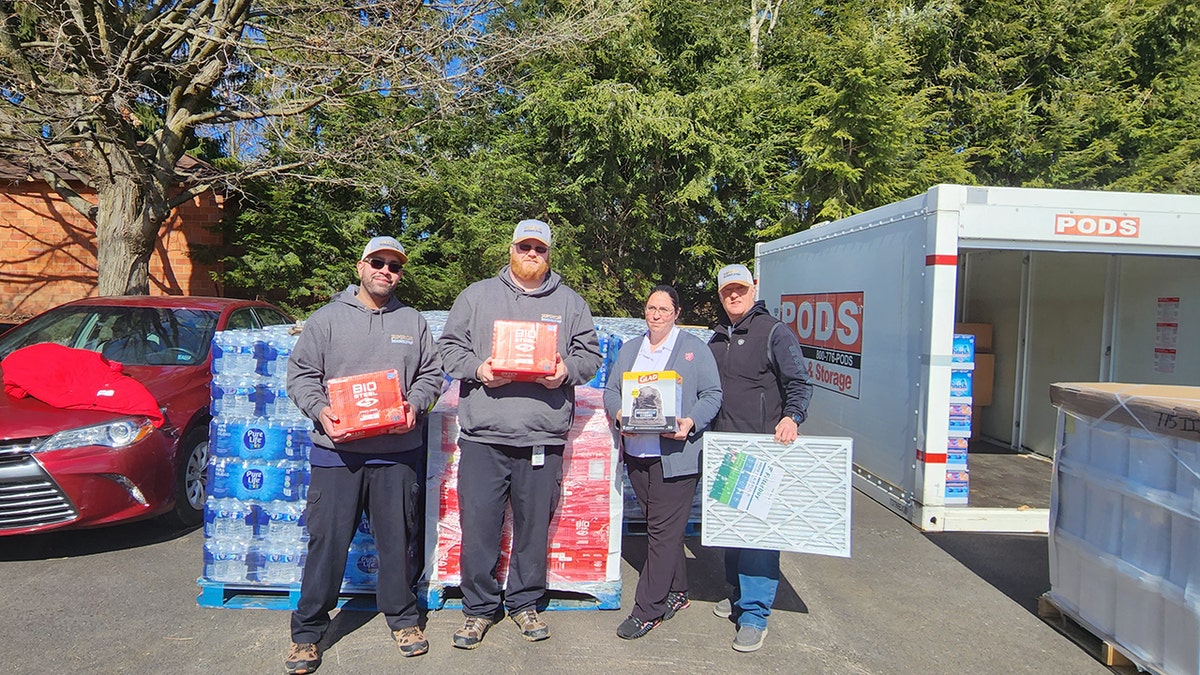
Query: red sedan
(67, 468)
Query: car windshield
(138, 336)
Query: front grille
(29, 497)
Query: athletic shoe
(676, 602)
(411, 641)
(472, 632)
(532, 628)
(303, 658)
(633, 628)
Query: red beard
(529, 271)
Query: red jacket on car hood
(76, 378)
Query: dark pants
(337, 497)
(488, 477)
(667, 503)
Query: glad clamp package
(651, 402)
(367, 405)
(524, 350)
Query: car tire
(191, 478)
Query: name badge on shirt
(539, 455)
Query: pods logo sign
(830, 329)
(1097, 226)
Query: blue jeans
(754, 575)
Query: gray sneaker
(723, 609)
(749, 639)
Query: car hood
(175, 388)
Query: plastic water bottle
(281, 563)
(285, 439)
(254, 480)
(226, 560)
(364, 534)
(281, 407)
(251, 438)
(221, 477)
(231, 519)
(265, 481)
(362, 566)
(220, 348)
(241, 349)
(282, 345)
(264, 354)
(220, 434)
(284, 522)
(211, 506)
(242, 400)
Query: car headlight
(118, 434)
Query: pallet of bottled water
(258, 471)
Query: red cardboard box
(585, 541)
(367, 405)
(524, 350)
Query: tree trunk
(128, 218)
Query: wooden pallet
(593, 595)
(1102, 649)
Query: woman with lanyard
(664, 469)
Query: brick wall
(48, 250)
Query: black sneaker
(303, 658)
(633, 628)
(675, 603)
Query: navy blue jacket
(759, 389)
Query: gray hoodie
(344, 338)
(519, 413)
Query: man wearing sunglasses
(364, 329)
(512, 433)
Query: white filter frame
(810, 508)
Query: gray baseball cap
(532, 229)
(734, 274)
(384, 244)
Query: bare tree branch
(116, 92)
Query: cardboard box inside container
(651, 402)
(524, 350)
(367, 405)
(982, 333)
(983, 379)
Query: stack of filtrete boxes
(971, 379)
(958, 477)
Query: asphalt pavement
(123, 600)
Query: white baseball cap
(532, 229)
(385, 244)
(734, 274)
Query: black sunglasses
(524, 248)
(378, 263)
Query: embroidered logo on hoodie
(402, 339)
(552, 318)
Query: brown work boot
(303, 658)
(472, 632)
(411, 641)
(532, 628)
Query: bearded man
(512, 433)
